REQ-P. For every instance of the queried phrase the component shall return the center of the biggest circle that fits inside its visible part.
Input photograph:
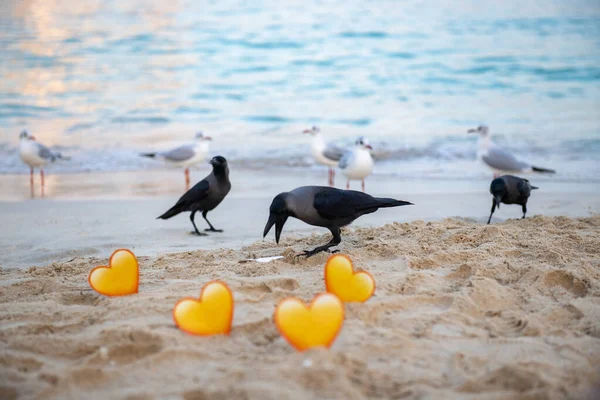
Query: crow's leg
(212, 228)
(337, 238)
(195, 231)
(524, 210)
(492, 212)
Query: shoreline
(42, 231)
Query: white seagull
(499, 160)
(36, 155)
(356, 163)
(185, 156)
(325, 153)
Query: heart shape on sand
(210, 314)
(345, 283)
(317, 324)
(120, 278)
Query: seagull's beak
(307, 131)
(32, 138)
(368, 146)
(472, 131)
(208, 138)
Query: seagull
(323, 206)
(509, 189)
(205, 196)
(501, 160)
(357, 163)
(185, 156)
(36, 155)
(325, 153)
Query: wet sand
(92, 214)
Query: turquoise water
(102, 80)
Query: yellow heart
(341, 280)
(120, 278)
(316, 325)
(211, 314)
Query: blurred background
(105, 79)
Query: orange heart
(210, 314)
(120, 278)
(316, 325)
(341, 280)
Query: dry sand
(462, 310)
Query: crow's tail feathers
(385, 202)
(543, 170)
(173, 211)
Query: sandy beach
(462, 309)
(441, 95)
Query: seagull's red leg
(348, 184)
(332, 176)
(363, 185)
(31, 182)
(187, 179)
(42, 177)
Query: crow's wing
(198, 192)
(333, 203)
(524, 188)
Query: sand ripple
(461, 310)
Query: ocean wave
(442, 157)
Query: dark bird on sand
(509, 189)
(323, 206)
(205, 196)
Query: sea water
(102, 80)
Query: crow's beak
(269, 225)
(472, 131)
(278, 221)
(498, 201)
